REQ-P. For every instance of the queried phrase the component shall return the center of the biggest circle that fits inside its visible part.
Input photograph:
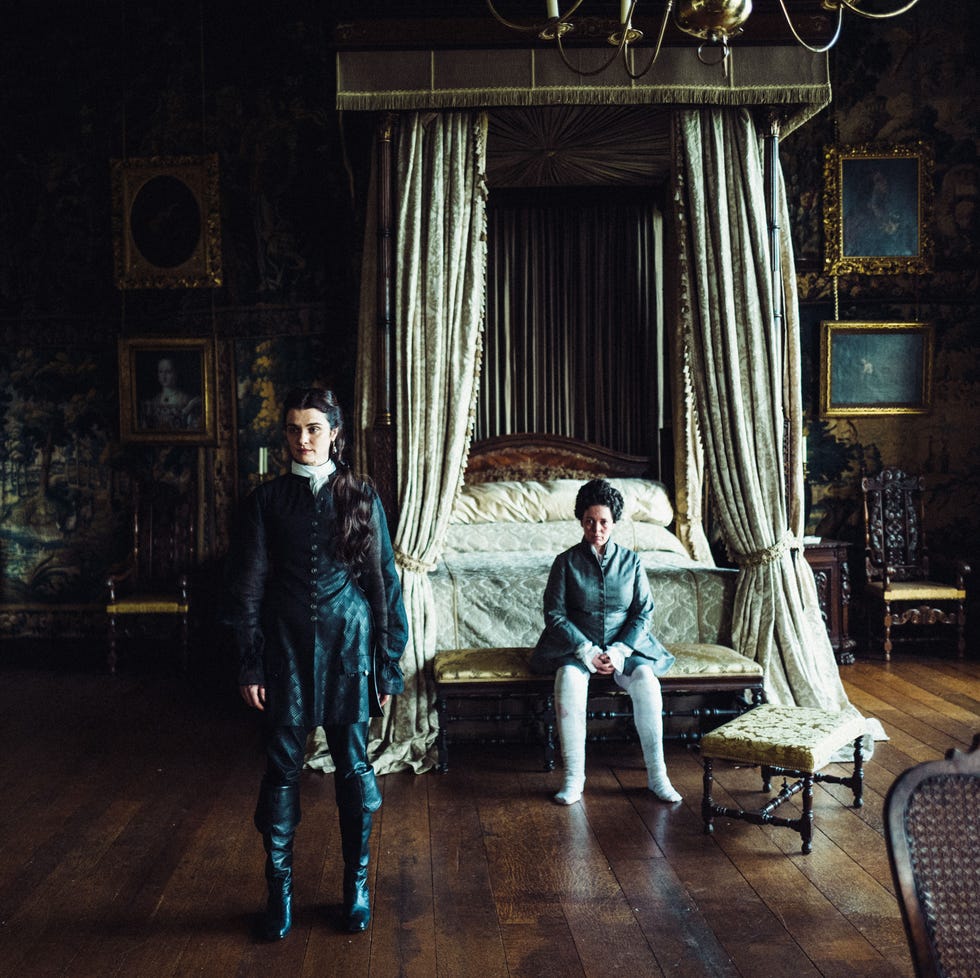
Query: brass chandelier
(713, 22)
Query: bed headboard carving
(523, 457)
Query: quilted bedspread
(495, 600)
(489, 585)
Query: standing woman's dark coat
(304, 626)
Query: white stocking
(571, 698)
(644, 690)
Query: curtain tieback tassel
(406, 562)
(771, 554)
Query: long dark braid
(352, 495)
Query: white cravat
(317, 474)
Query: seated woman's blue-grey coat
(601, 603)
(305, 628)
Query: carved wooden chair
(899, 583)
(933, 837)
(154, 583)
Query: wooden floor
(127, 849)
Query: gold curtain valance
(788, 77)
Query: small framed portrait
(166, 390)
(878, 209)
(166, 222)
(875, 368)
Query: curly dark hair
(598, 492)
(352, 495)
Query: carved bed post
(383, 432)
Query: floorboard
(127, 847)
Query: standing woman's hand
(384, 699)
(254, 696)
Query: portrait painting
(166, 222)
(878, 204)
(875, 368)
(166, 390)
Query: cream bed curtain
(740, 392)
(440, 273)
(745, 386)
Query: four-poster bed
(737, 413)
(514, 513)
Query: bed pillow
(554, 537)
(644, 500)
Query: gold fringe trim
(810, 98)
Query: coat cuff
(251, 662)
(585, 653)
(388, 676)
(618, 653)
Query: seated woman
(597, 611)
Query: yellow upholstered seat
(917, 591)
(795, 737)
(692, 659)
(148, 604)
(483, 665)
(699, 670)
(792, 740)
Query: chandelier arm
(854, 8)
(536, 28)
(600, 69)
(826, 47)
(660, 41)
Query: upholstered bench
(793, 741)
(504, 674)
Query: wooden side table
(828, 559)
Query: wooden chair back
(933, 837)
(894, 537)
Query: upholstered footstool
(793, 741)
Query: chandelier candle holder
(713, 22)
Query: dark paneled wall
(909, 79)
(82, 84)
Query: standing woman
(597, 613)
(315, 605)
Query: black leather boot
(355, 833)
(358, 798)
(276, 817)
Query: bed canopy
(731, 319)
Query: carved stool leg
(856, 781)
(706, 800)
(806, 820)
(548, 721)
(888, 631)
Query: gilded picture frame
(875, 368)
(166, 222)
(878, 209)
(166, 390)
